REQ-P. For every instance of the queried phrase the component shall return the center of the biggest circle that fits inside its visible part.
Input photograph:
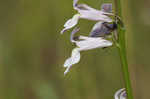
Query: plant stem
(122, 50)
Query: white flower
(87, 12)
(120, 94)
(84, 43)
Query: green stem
(122, 50)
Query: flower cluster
(87, 12)
(97, 36)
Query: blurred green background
(32, 52)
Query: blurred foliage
(32, 52)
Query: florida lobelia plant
(102, 35)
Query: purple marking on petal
(75, 3)
(80, 6)
(107, 7)
(62, 31)
(75, 30)
(125, 94)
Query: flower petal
(81, 6)
(123, 95)
(94, 15)
(71, 22)
(120, 94)
(91, 43)
(75, 58)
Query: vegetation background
(32, 52)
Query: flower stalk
(122, 50)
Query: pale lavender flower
(101, 29)
(84, 43)
(89, 13)
(121, 94)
